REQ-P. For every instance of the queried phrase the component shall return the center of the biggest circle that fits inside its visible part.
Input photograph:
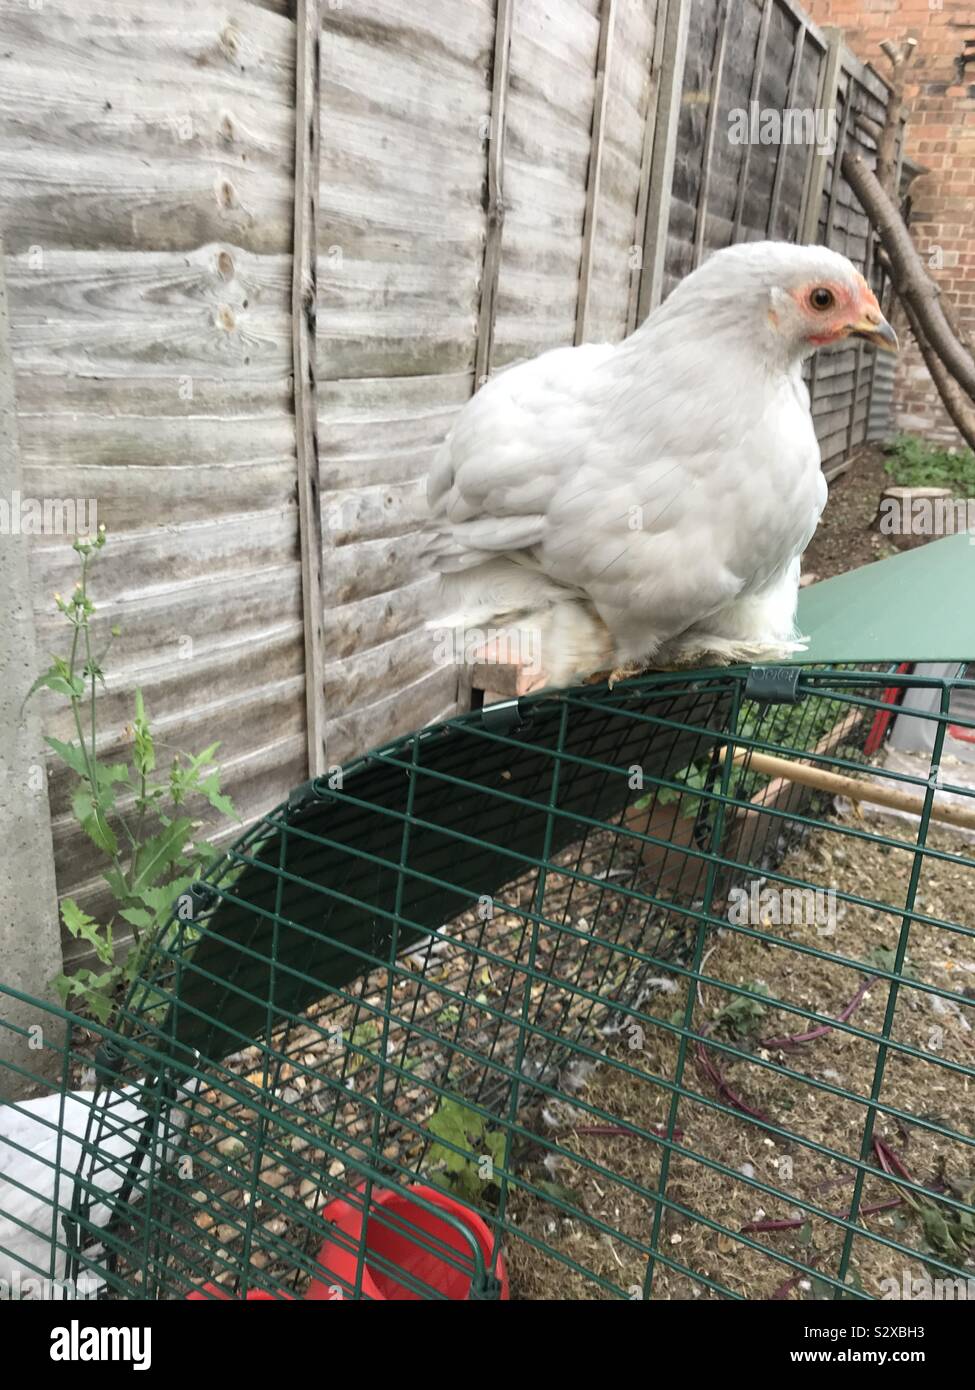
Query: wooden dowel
(820, 779)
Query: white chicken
(42, 1149)
(646, 503)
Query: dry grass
(918, 1086)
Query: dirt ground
(924, 1087)
(845, 539)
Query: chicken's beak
(874, 328)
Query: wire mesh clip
(315, 792)
(203, 896)
(502, 717)
(484, 1290)
(108, 1061)
(774, 685)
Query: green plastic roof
(918, 606)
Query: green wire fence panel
(660, 992)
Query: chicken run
(501, 1011)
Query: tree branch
(952, 397)
(900, 57)
(914, 286)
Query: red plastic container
(400, 1248)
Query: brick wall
(941, 137)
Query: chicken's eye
(821, 298)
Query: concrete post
(30, 937)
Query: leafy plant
(741, 1016)
(364, 1035)
(949, 1231)
(798, 726)
(465, 1174)
(913, 462)
(136, 812)
(885, 958)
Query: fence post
(491, 269)
(790, 101)
(304, 303)
(812, 196)
(717, 72)
(30, 935)
(667, 116)
(754, 95)
(607, 16)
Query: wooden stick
(820, 779)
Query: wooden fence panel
(146, 157)
(546, 161)
(494, 178)
(841, 379)
(760, 57)
(618, 233)
(402, 229)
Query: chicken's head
(835, 308)
(821, 299)
(789, 300)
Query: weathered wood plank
(401, 216)
(796, 69)
(230, 46)
(214, 311)
(646, 163)
(816, 163)
(251, 703)
(597, 146)
(396, 657)
(427, 700)
(547, 142)
(304, 314)
(170, 166)
(836, 179)
(721, 47)
(128, 204)
(429, 32)
(495, 136)
(157, 563)
(674, 52)
(619, 223)
(46, 111)
(758, 69)
(108, 397)
(381, 568)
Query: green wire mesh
(671, 1025)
